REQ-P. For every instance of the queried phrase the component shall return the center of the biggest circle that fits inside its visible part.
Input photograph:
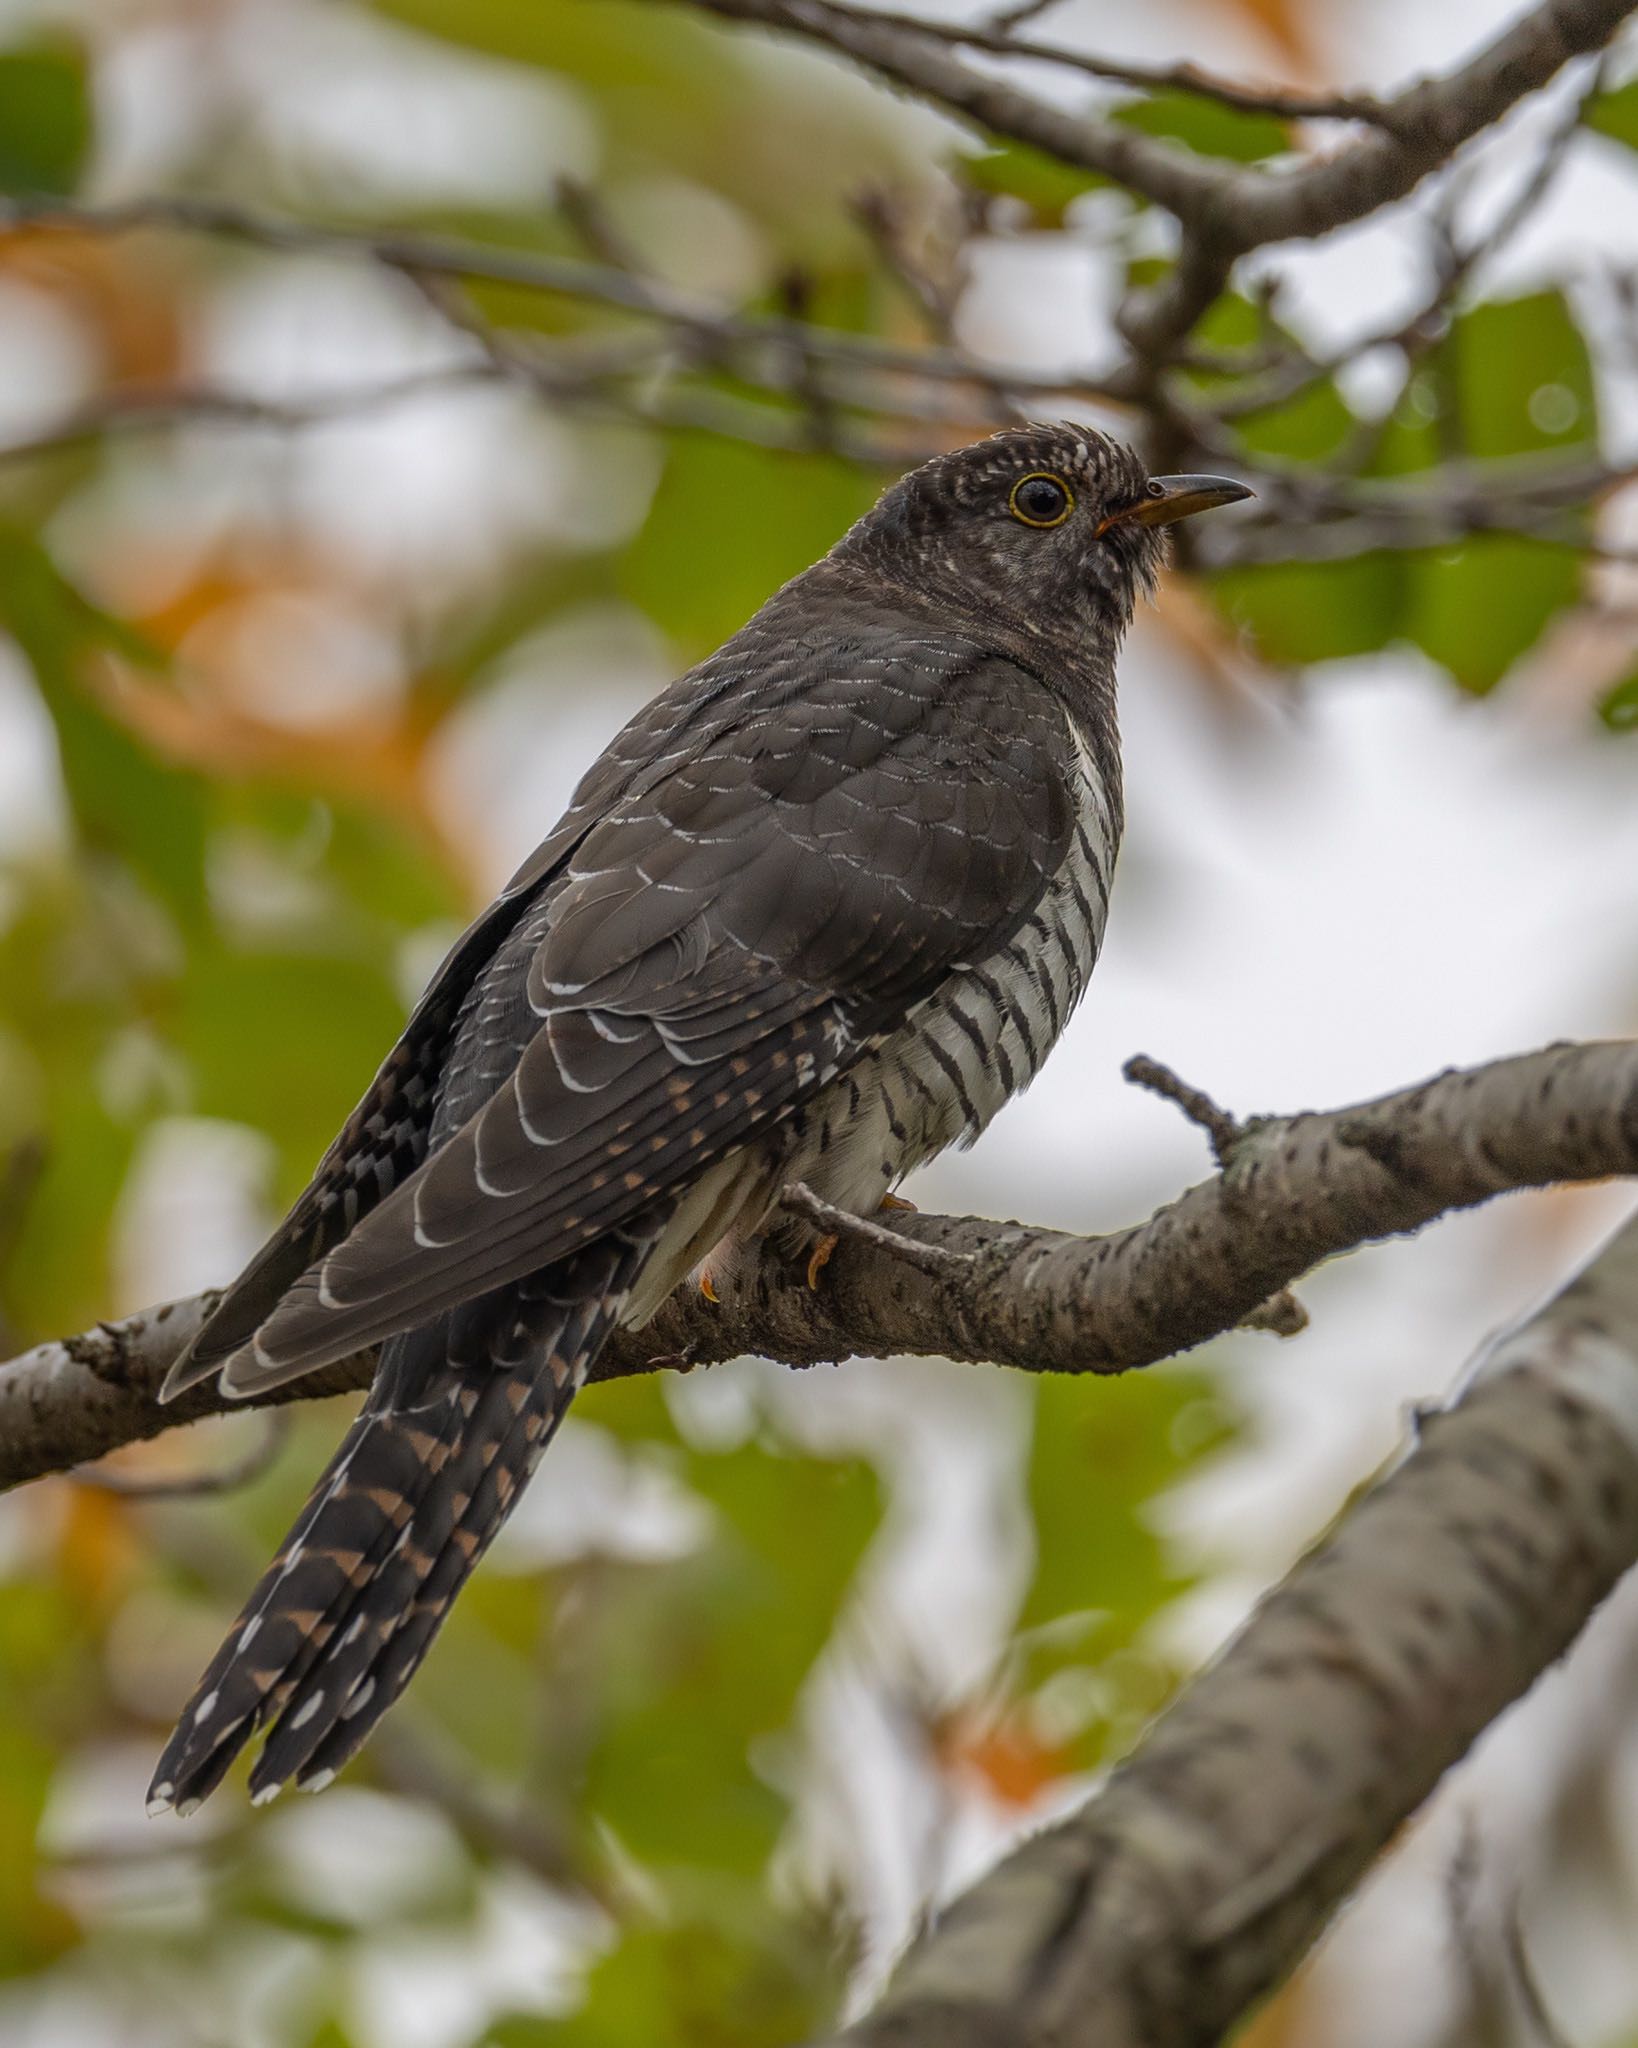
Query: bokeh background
(767, 1663)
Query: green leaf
(1101, 1453)
(1206, 127)
(1616, 114)
(1519, 377)
(1307, 428)
(125, 800)
(1101, 1456)
(729, 524)
(1619, 709)
(678, 1672)
(45, 117)
(1298, 612)
(1477, 607)
(285, 1041)
(1015, 171)
(727, 1980)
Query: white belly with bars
(983, 1035)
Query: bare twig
(136, 410)
(998, 38)
(242, 1471)
(1223, 1130)
(1232, 207)
(1225, 209)
(411, 1761)
(730, 332)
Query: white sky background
(1320, 898)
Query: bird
(815, 914)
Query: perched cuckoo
(815, 914)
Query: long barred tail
(343, 1616)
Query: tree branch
(1171, 1902)
(1297, 1190)
(861, 396)
(1417, 131)
(1225, 209)
(998, 40)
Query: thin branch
(1164, 172)
(1158, 1914)
(1328, 519)
(1226, 209)
(241, 1471)
(137, 410)
(1454, 259)
(1299, 1190)
(1223, 1130)
(727, 331)
(411, 1762)
(997, 39)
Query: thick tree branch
(1159, 1913)
(1297, 1190)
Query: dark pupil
(1040, 498)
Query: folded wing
(735, 930)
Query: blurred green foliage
(1512, 379)
(1616, 114)
(45, 116)
(230, 927)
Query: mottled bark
(1168, 1905)
(1293, 1191)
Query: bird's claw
(826, 1245)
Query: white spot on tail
(317, 1782)
(266, 1796)
(159, 1799)
(304, 1714)
(187, 1806)
(247, 1635)
(205, 1708)
(358, 1699)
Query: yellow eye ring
(1048, 510)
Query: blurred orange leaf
(97, 1549)
(1002, 1752)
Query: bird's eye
(1041, 500)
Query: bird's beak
(1171, 498)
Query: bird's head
(1052, 529)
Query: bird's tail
(344, 1614)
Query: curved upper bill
(1179, 497)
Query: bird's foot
(823, 1249)
(707, 1286)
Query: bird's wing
(390, 1133)
(732, 933)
